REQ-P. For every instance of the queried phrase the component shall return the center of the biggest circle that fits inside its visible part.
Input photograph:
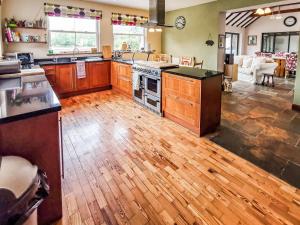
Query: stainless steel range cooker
(148, 89)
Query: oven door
(153, 103)
(139, 95)
(152, 85)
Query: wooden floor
(126, 165)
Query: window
(280, 42)
(134, 36)
(69, 34)
(232, 43)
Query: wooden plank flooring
(125, 165)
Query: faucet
(74, 50)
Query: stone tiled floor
(259, 125)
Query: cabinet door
(65, 78)
(50, 74)
(83, 83)
(114, 74)
(99, 74)
(125, 79)
(187, 111)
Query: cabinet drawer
(49, 70)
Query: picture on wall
(221, 41)
(252, 40)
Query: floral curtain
(128, 20)
(70, 11)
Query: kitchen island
(191, 97)
(29, 128)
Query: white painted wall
(33, 9)
(265, 25)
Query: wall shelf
(26, 42)
(29, 28)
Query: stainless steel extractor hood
(157, 14)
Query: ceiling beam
(238, 14)
(247, 18)
(247, 21)
(229, 16)
(247, 25)
(239, 19)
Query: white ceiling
(144, 4)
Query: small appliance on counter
(10, 66)
(26, 58)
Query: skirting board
(296, 107)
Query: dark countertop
(199, 74)
(65, 61)
(25, 97)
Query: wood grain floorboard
(126, 165)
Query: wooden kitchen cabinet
(114, 74)
(193, 103)
(50, 74)
(65, 78)
(121, 78)
(99, 74)
(83, 83)
(181, 97)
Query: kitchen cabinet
(50, 74)
(114, 74)
(121, 77)
(99, 74)
(65, 78)
(192, 103)
(82, 83)
(181, 98)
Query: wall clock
(290, 21)
(180, 22)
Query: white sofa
(252, 68)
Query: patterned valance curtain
(128, 20)
(70, 11)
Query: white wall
(33, 9)
(266, 25)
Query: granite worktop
(195, 73)
(26, 96)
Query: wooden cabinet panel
(50, 74)
(125, 85)
(65, 78)
(187, 88)
(83, 83)
(114, 74)
(125, 70)
(99, 74)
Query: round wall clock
(180, 22)
(290, 21)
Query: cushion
(257, 61)
(238, 60)
(269, 60)
(247, 71)
(247, 62)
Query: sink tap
(74, 50)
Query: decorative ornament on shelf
(209, 42)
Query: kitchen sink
(10, 83)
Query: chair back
(199, 65)
(187, 61)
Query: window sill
(71, 53)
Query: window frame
(129, 34)
(231, 43)
(274, 35)
(97, 24)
